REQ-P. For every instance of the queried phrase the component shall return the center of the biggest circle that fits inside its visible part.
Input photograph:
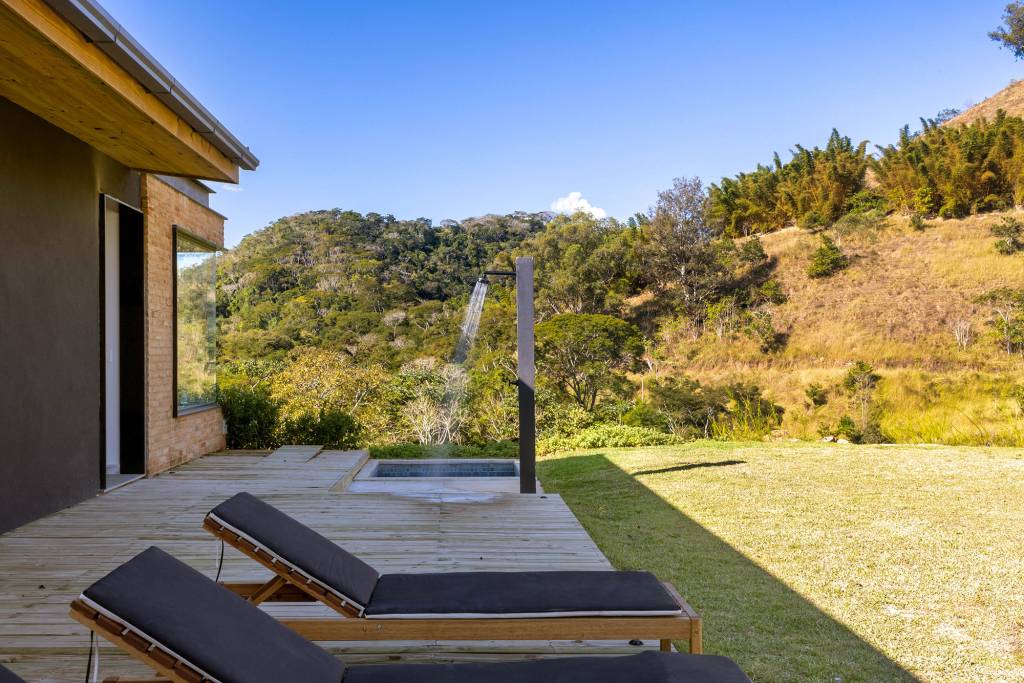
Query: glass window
(195, 322)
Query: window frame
(176, 230)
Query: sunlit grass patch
(817, 562)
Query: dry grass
(895, 307)
(813, 562)
(1010, 99)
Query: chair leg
(696, 638)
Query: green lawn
(821, 562)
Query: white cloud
(573, 202)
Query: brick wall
(171, 441)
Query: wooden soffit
(49, 68)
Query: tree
(861, 381)
(689, 407)
(584, 265)
(827, 259)
(584, 355)
(318, 381)
(1007, 321)
(1010, 34)
(679, 248)
(1009, 231)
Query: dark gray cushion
(7, 676)
(209, 626)
(649, 667)
(519, 593)
(301, 546)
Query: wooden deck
(45, 564)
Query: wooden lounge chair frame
(168, 665)
(288, 585)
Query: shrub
(752, 251)
(827, 259)
(251, 417)
(761, 326)
(954, 208)
(328, 428)
(917, 222)
(770, 292)
(643, 414)
(812, 221)
(847, 429)
(817, 395)
(1009, 230)
(607, 436)
(864, 201)
(924, 201)
(750, 415)
(493, 449)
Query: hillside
(376, 288)
(896, 307)
(1010, 99)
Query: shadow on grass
(691, 466)
(773, 632)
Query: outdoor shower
(525, 372)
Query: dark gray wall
(50, 360)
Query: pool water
(446, 469)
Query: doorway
(123, 339)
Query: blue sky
(454, 109)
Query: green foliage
(1009, 231)
(954, 170)
(331, 429)
(812, 221)
(682, 251)
(690, 408)
(379, 290)
(749, 414)
(251, 416)
(847, 429)
(864, 201)
(1010, 34)
(606, 436)
(751, 251)
(827, 259)
(813, 189)
(860, 381)
(643, 414)
(491, 449)
(585, 355)
(1006, 308)
(816, 394)
(584, 265)
(761, 326)
(857, 223)
(917, 222)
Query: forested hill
(796, 300)
(338, 280)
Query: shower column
(526, 376)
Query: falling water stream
(471, 323)
(455, 392)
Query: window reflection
(196, 322)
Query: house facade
(107, 272)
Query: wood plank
(48, 67)
(46, 564)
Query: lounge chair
(190, 630)
(552, 605)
